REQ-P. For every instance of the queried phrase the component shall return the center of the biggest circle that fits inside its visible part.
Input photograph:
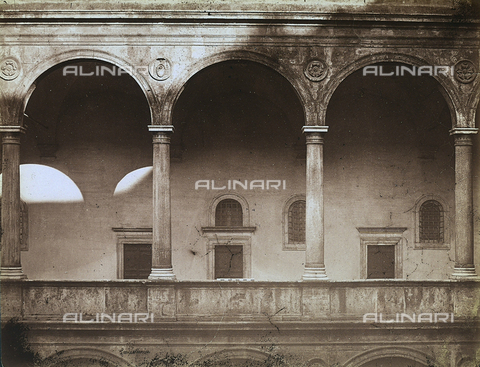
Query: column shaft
(11, 256)
(162, 226)
(464, 261)
(314, 226)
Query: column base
(14, 272)
(464, 273)
(162, 274)
(315, 274)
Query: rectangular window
(380, 261)
(228, 261)
(137, 261)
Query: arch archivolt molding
(295, 78)
(448, 87)
(70, 355)
(385, 352)
(315, 95)
(462, 105)
(26, 86)
(235, 355)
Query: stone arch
(385, 352)
(316, 362)
(81, 355)
(474, 102)
(26, 89)
(235, 355)
(467, 362)
(175, 92)
(448, 90)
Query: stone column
(162, 268)
(314, 261)
(464, 261)
(11, 262)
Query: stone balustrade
(334, 301)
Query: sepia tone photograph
(240, 183)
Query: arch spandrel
(473, 103)
(11, 109)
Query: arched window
(296, 222)
(228, 213)
(294, 214)
(431, 222)
(229, 238)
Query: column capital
(161, 133)
(463, 139)
(161, 129)
(12, 129)
(464, 131)
(314, 129)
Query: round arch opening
(237, 99)
(238, 131)
(89, 120)
(388, 145)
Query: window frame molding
(381, 236)
(229, 236)
(242, 238)
(130, 236)
(286, 207)
(445, 245)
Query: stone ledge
(279, 10)
(329, 302)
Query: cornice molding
(371, 35)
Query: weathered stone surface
(264, 316)
(162, 302)
(11, 300)
(126, 299)
(50, 301)
(388, 145)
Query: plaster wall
(378, 162)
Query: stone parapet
(329, 302)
